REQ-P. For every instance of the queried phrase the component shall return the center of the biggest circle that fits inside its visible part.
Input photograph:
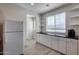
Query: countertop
(76, 38)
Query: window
(50, 24)
(56, 23)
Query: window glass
(56, 23)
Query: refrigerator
(13, 37)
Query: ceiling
(40, 7)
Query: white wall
(66, 9)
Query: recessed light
(32, 3)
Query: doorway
(29, 31)
(30, 27)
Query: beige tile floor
(33, 48)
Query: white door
(78, 47)
(20, 43)
(46, 40)
(38, 37)
(62, 45)
(71, 47)
(54, 43)
(11, 43)
(42, 38)
(30, 27)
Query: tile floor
(33, 48)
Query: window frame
(60, 33)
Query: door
(30, 27)
(78, 47)
(41, 38)
(54, 43)
(47, 40)
(71, 47)
(1, 39)
(44, 39)
(13, 43)
(62, 45)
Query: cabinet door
(71, 47)
(44, 39)
(62, 45)
(78, 47)
(54, 43)
(47, 40)
(38, 38)
(41, 38)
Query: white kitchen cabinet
(38, 37)
(62, 45)
(54, 43)
(78, 47)
(44, 39)
(41, 39)
(47, 40)
(71, 47)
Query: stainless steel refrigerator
(13, 37)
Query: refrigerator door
(13, 44)
(11, 26)
(20, 43)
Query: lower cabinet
(71, 47)
(45, 40)
(54, 43)
(38, 38)
(62, 45)
(78, 47)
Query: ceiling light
(47, 5)
(32, 3)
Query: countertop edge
(55, 35)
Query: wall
(66, 9)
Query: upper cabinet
(74, 16)
(75, 8)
